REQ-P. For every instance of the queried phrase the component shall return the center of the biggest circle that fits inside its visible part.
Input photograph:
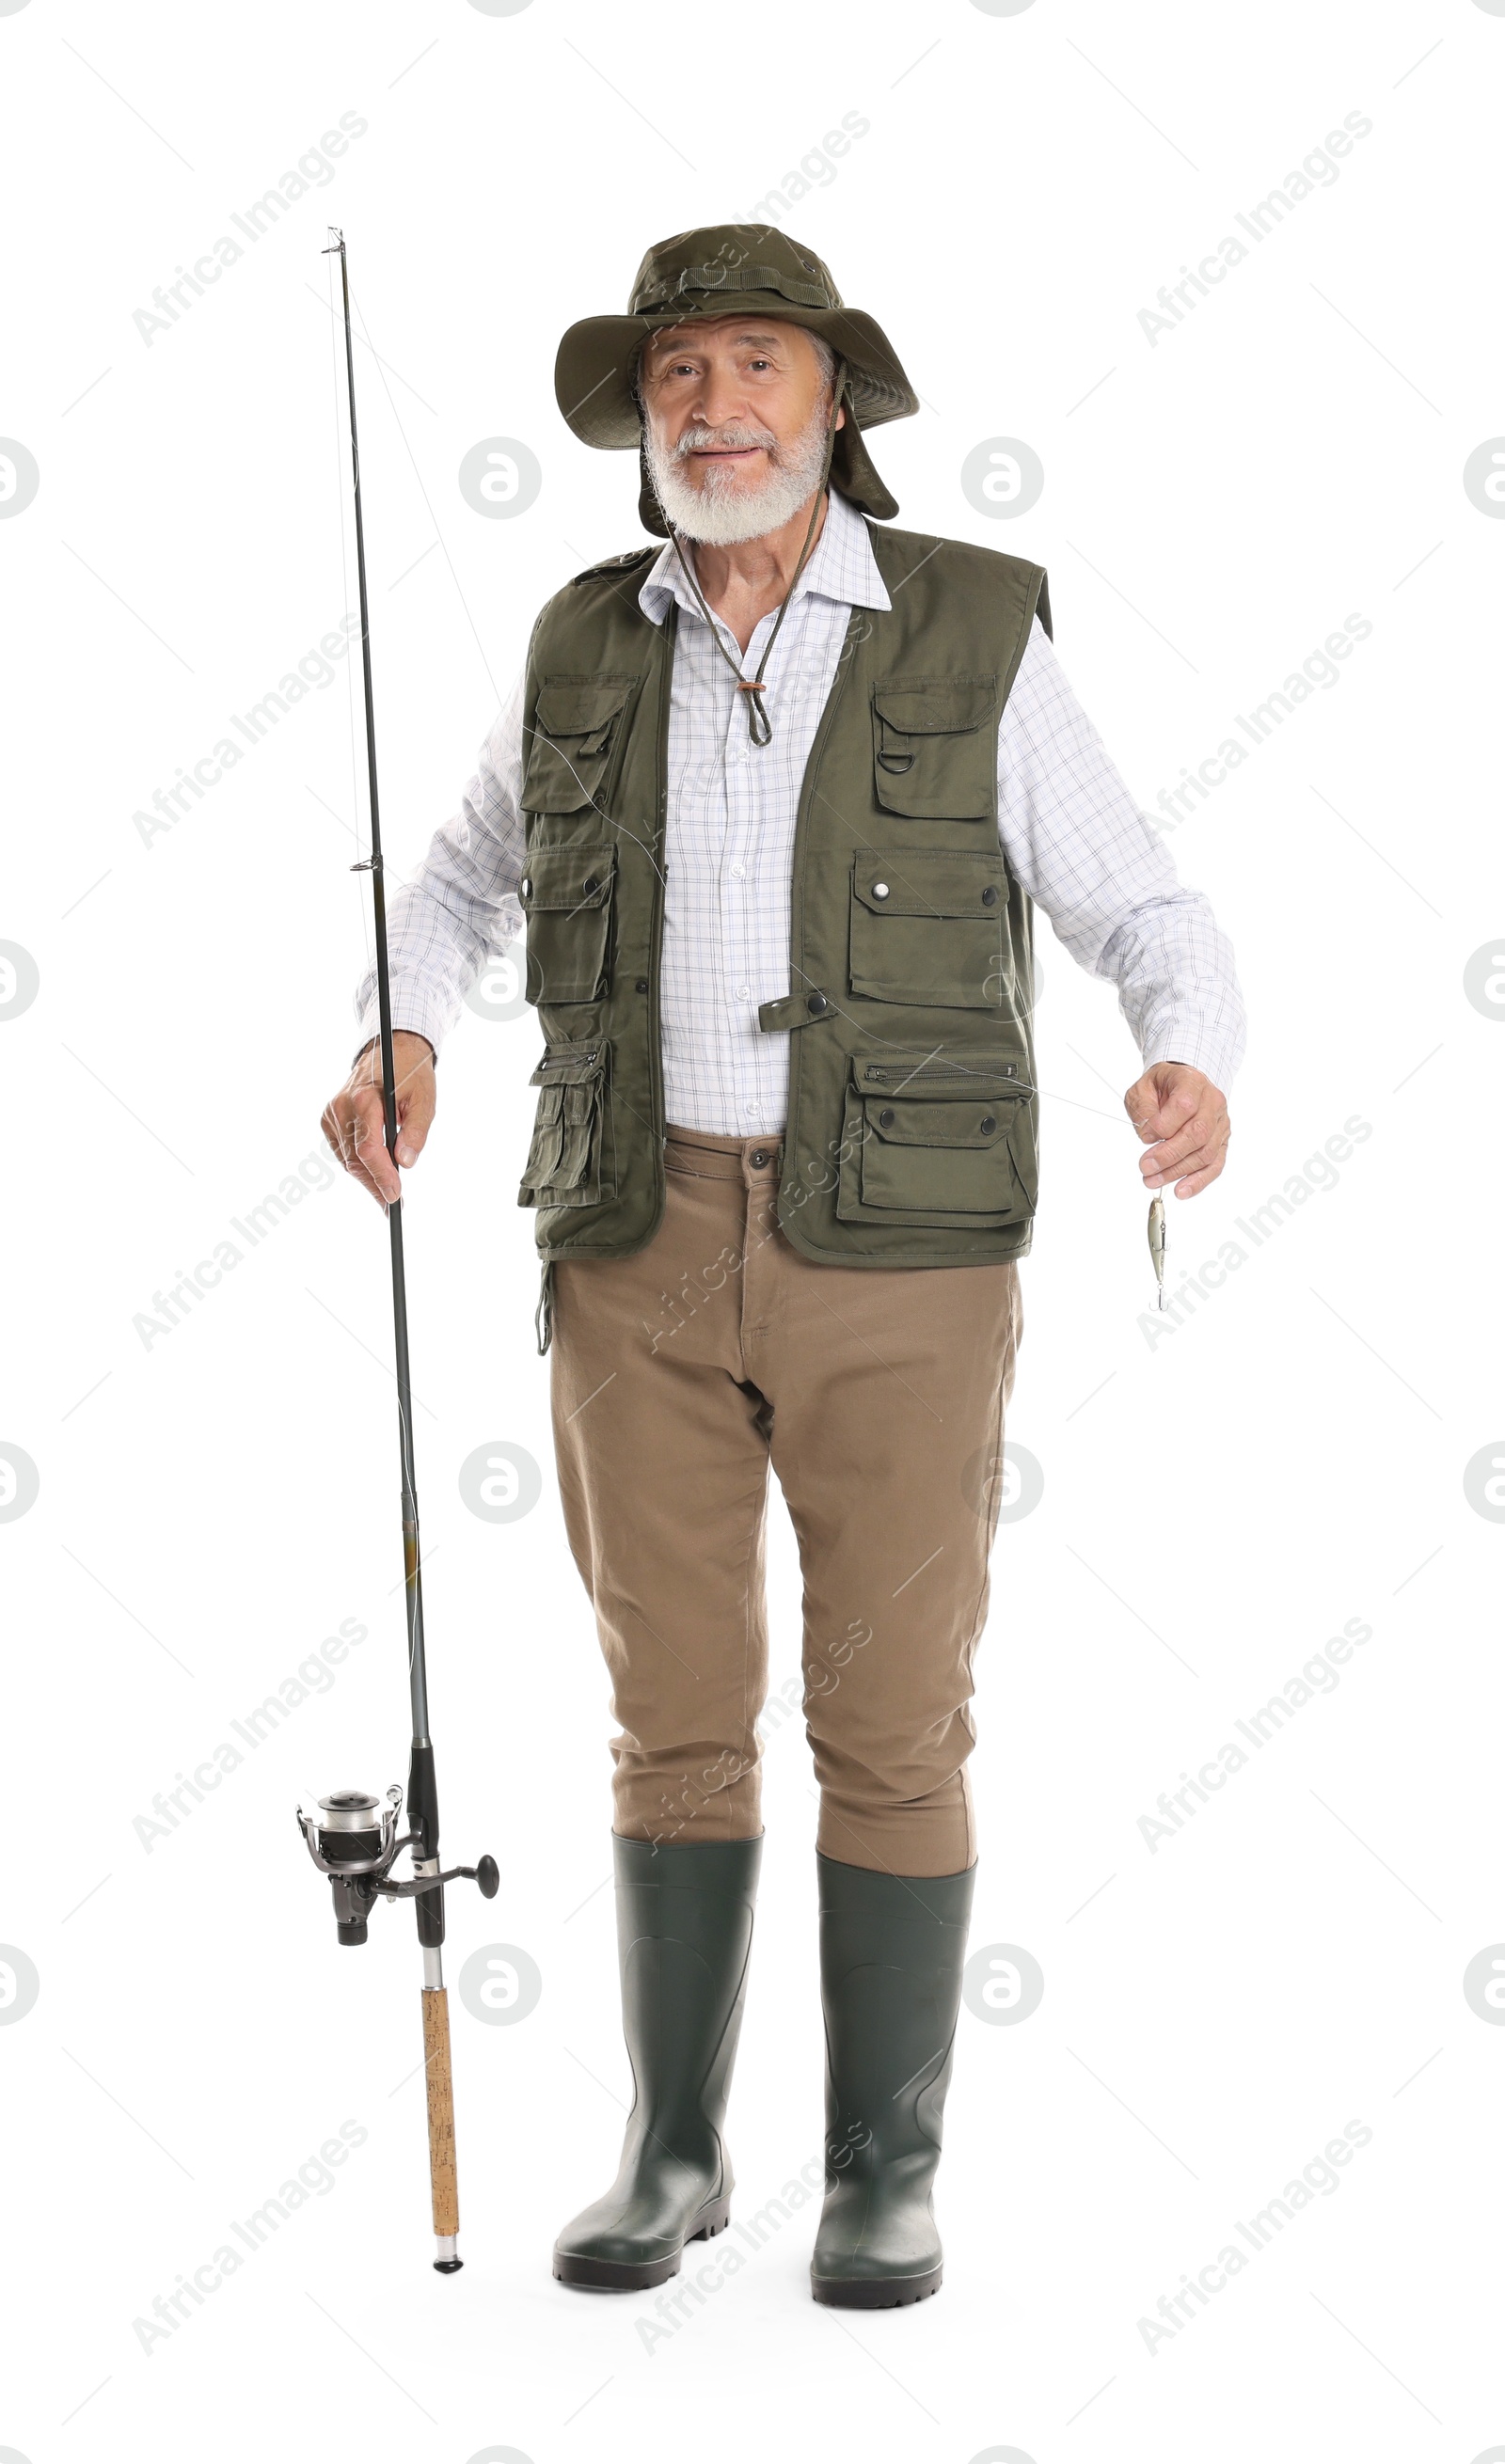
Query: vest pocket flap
(943, 1140)
(580, 708)
(565, 894)
(910, 883)
(573, 743)
(933, 758)
(928, 929)
(567, 878)
(899, 1121)
(566, 1160)
(934, 705)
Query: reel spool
(353, 1839)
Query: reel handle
(485, 1874)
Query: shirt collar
(843, 567)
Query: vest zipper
(986, 1069)
(669, 636)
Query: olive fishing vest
(911, 1138)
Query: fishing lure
(1157, 1239)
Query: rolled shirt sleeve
(461, 907)
(1078, 843)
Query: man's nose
(719, 399)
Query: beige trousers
(878, 1395)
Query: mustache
(740, 435)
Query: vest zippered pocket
(935, 747)
(928, 928)
(943, 1140)
(565, 894)
(572, 1160)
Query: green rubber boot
(684, 1930)
(891, 1949)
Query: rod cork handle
(443, 2178)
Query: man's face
(736, 411)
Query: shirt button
(738, 872)
(752, 1110)
(744, 991)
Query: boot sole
(874, 2292)
(626, 2275)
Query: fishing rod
(351, 1837)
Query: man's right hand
(352, 1119)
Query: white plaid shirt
(1070, 830)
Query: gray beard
(721, 511)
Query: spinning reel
(354, 1841)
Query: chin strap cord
(760, 727)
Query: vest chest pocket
(935, 747)
(572, 1160)
(927, 930)
(575, 744)
(565, 894)
(944, 1141)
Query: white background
(1217, 1503)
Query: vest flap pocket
(941, 1140)
(934, 705)
(568, 1162)
(565, 894)
(934, 748)
(904, 883)
(580, 708)
(577, 727)
(566, 877)
(963, 1122)
(927, 930)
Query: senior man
(776, 802)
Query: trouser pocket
(572, 1160)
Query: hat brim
(597, 362)
(598, 357)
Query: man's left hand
(1184, 1120)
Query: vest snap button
(881, 889)
(592, 885)
(990, 895)
(817, 1003)
(886, 1117)
(641, 985)
(987, 1123)
(526, 888)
